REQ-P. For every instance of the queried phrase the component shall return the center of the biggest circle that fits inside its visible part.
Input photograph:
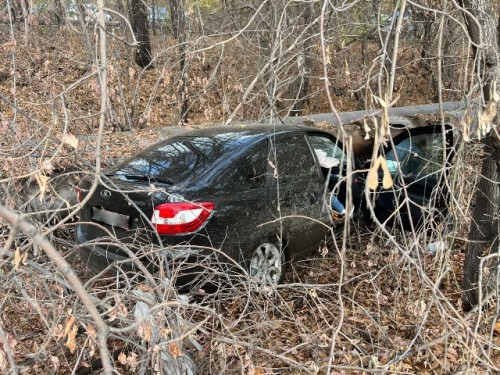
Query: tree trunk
(139, 22)
(484, 230)
(58, 12)
(178, 17)
(305, 63)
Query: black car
(256, 194)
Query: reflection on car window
(182, 158)
(249, 172)
(420, 154)
(328, 152)
(294, 158)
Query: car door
(418, 161)
(296, 190)
(243, 207)
(332, 161)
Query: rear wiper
(147, 177)
(144, 177)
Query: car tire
(268, 263)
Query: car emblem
(105, 193)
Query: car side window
(418, 155)
(328, 152)
(294, 159)
(249, 172)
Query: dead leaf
(372, 177)
(165, 332)
(19, 259)
(70, 140)
(91, 331)
(47, 167)
(71, 341)
(122, 358)
(387, 180)
(132, 360)
(3, 360)
(10, 47)
(496, 328)
(275, 170)
(145, 288)
(70, 321)
(43, 182)
(55, 364)
(145, 331)
(174, 350)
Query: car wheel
(268, 263)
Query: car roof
(248, 130)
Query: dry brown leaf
(496, 328)
(48, 167)
(10, 47)
(145, 288)
(70, 321)
(387, 180)
(55, 364)
(19, 259)
(3, 360)
(372, 177)
(145, 331)
(174, 350)
(165, 332)
(132, 360)
(275, 170)
(91, 331)
(70, 140)
(43, 182)
(122, 358)
(71, 341)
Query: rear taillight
(181, 217)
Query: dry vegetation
(376, 301)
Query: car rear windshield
(181, 159)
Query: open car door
(418, 161)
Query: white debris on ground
(437, 246)
(174, 360)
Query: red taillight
(181, 217)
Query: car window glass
(294, 158)
(328, 152)
(417, 155)
(249, 172)
(181, 159)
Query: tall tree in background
(139, 21)
(484, 232)
(179, 27)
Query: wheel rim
(266, 263)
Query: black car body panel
(264, 182)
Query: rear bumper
(183, 261)
(98, 258)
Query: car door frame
(309, 198)
(385, 200)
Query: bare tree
(485, 226)
(139, 22)
(180, 29)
